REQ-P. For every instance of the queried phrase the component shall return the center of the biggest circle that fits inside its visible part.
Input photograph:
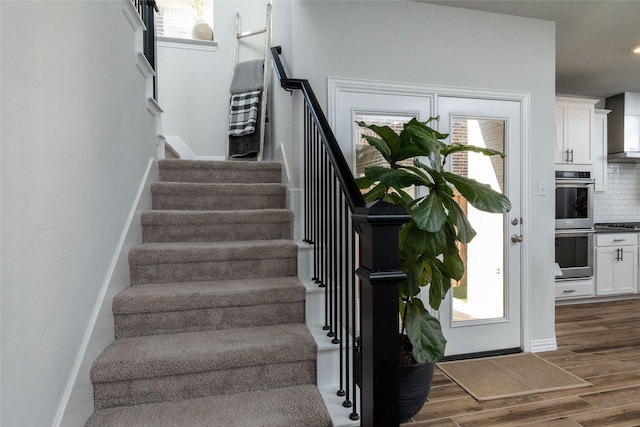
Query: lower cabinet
(616, 263)
(568, 289)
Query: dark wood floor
(597, 342)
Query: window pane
(176, 18)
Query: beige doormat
(505, 376)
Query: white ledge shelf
(192, 44)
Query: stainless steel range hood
(623, 127)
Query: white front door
(482, 312)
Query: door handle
(516, 238)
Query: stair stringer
(328, 362)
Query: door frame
(339, 87)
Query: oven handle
(572, 183)
(576, 232)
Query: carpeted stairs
(211, 331)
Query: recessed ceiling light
(636, 49)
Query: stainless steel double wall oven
(574, 242)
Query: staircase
(211, 331)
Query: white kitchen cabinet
(616, 263)
(574, 130)
(599, 149)
(581, 288)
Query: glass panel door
(481, 313)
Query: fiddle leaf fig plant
(429, 242)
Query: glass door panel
(480, 292)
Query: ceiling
(593, 40)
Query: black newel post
(379, 272)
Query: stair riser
(219, 176)
(159, 389)
(216, 232)
(220, 172)
(131, 325)
(208, 202)
(315, 302)
(214, 270)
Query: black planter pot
(415, 384)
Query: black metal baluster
(312, 194)
(354, 334)
(316, 209)
(341, 268)
(305, 172)
(326, 206)
(334, 254)
(322, 206)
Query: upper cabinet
(574, 130)
(599, 149)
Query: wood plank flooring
(598, 342)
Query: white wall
(411, 42)
(193, 85)
(76, 143)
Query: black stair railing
(356, 261)
(146, 9)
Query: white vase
(201, 30)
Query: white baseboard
(76, 404)
(210, 158)
(538, 346)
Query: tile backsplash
(621, 201)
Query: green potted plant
(429, 242)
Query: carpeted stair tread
(128, 359)
(154, 297)
(176, 170)
(209, 225)
(191, 252)
(207, 196)
(298, 406)
(152, 309)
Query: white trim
(539, 346)
(160, 147)
(189, 44)
(180, 147)
(341, 85)
(144, 66)
(336, 85)
(101, 297)
(211, 158)
(132, 15)
(525, 211)
(153, 107)
(286, 170)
